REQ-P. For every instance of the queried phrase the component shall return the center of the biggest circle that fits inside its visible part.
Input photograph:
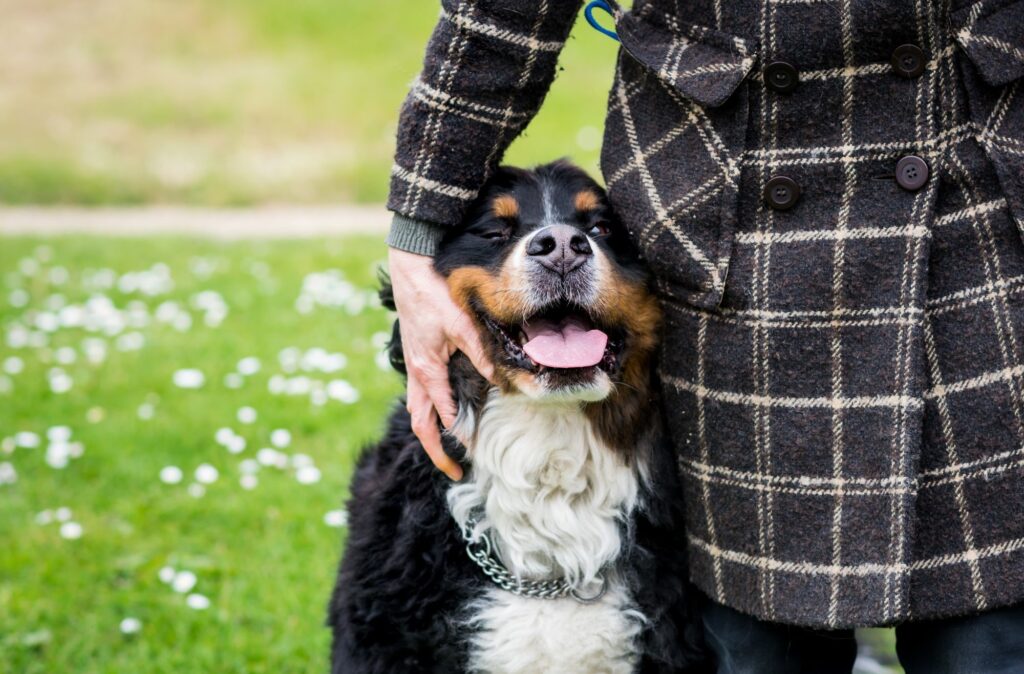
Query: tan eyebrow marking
(505, 206)
(586, 200)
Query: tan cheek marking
(587, 200)
(505, 206)
(524, 383)
(631, 305)
(502, 296)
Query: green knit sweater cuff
(415, 236)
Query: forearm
(487, 68)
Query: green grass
(240, 101)
(264, 557)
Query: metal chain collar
(482, 553)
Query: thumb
(467, 340)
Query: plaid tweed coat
(844, 380)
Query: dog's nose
(560, 248)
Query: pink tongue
(569, 344)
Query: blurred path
(266, 222)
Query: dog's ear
(395, 353)
(387, 300)
(387, 291)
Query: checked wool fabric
(843, 380)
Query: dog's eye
(599, 229)
(493, 234)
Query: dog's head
(554, 285)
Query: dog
(561, 550)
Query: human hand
(433, 327)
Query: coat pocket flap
(703, 64)
(991, 32)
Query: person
(830, 196)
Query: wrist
(415, 236)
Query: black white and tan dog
(560, 550)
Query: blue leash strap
(603, 5)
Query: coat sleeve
(488, 65)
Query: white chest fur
(552, 496)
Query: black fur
(405, 572)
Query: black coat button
(908, 60)
(911, 173)
(781, 192)
(781, 77)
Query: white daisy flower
(206, 474)
(58, 433)
(249, 467)
(197, 602)
(223, 436)
(171, 475)
(130, 341)
(277, 384)
(280, 438)
(13, 365)
(342, 391)
(71, 531)
(26, 439)
(57, 455)
(7, 473)
(60, 382)
(189, 378)
(336, 518)
(236, 445)
(183, 582)
(249, 366)
(267, 457)
(299, 460)
(308, 475)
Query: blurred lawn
(237, 101)
(265, 558)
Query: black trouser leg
(745, 645)
(990, 643)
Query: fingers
(424, 425)
(433, 379)
(466, 338)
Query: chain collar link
(481, 552)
